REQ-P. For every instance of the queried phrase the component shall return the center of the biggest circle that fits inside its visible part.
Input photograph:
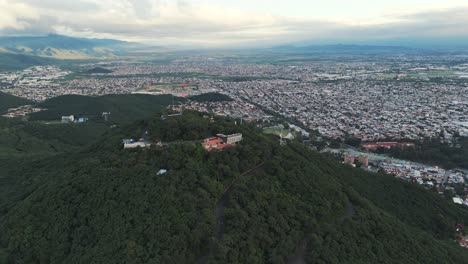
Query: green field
(277, 131)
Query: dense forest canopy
(211, 97)
(91, 201)
(98, 70)
(9, 101)
(435, 152)
(123, 108)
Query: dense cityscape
(365, 100)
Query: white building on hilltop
(68, 119)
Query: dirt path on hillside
(219, 212)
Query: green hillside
(9, 101)
(123, 108)
(30, 139)
(210, 97)
(63, 47)
(255, 203)
(435, 152)
(13, 62)
(56, 41)
(98, 70)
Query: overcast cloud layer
(221, 23)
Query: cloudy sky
(238, 22)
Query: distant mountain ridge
(13, 61)
(343, 48)
(9, 101)
(64, 47)
(56, 41)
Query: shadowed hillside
(9, 101)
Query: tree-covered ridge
(98, 70)
(9, 101)
(15, 62)
(123, 108)
(210, 97)
(29, 139)
(256, 203)
(435, 152)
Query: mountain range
(63, 47)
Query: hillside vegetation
(14, 62)
(210, 97)
(9, 101)
(123, 108)
(28, 139)
(63, 47)
(435, 152)
(98, 70)
(255, 203)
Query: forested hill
(211, 97)
(9, 101)
(124, 108)
(258, 202)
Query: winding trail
(299, 255)
(219, 212)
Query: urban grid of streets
(367, 100)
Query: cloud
(62, 5)
(188, 22)
(41, 25)
(15, 15)
(143, 8)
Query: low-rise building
(363, 160)
(349, 160)
(231, 139)
(131, 143)
(221, 141)
(68, 119)
(457, 200)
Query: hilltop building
(231, 139)
(73, 119)
(68, 119)
(82, 120)
(221, 141)
(464, 242)
(131, 143)
(349, 160)
(106, 116)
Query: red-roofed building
(349, 160)
(464, 242)
(221, 142)
(212, 143)
(376, 145)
